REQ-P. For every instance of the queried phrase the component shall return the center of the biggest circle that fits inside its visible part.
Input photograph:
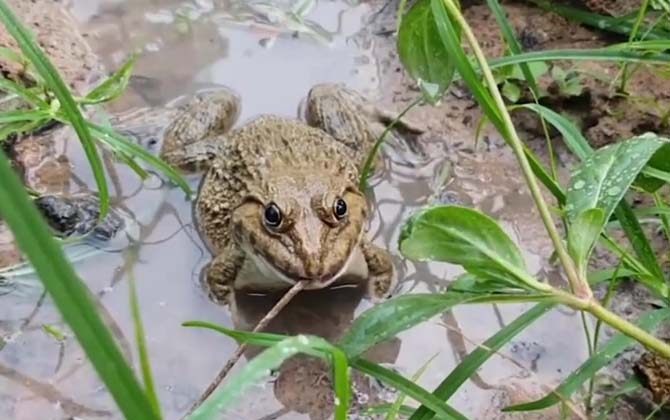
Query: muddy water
(187, 46)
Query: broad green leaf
(113, 86)
(393, 316)
(70, 295)
(260, 366)
(421, 51)
(657, 172)
(53, 80)
(604, 177)
(463, 236)
(476, 358)
(602, 358)
(582, 236)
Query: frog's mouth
(311, 283)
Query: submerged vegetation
(431, 39)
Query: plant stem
(633, 34)
(631, 330)
(579, 285)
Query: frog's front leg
(220, 275)
(195, 157)
(381, 272)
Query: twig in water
(299, 286)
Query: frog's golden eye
(272, 215)
(340, 209)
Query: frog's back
(268, 146)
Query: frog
(279, 201)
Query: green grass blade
(70, 296)
(259, 367)
(53, 80)
(397, 406)
(140, 337)
(572, 137)
(613, 53)
(604, 356)
(403, 385)
(22, 116)
(513, 43)
(607, 23)
(407, 387)
(119, 143)
(642, 248)
(452, 44)
(366, 171)
(27, 94)
(476, 359)
(113, 86)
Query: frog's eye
(272, 215)
(340, 208)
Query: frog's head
(302, 226)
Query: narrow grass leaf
(260, 367)
(140, 337)
(513, 44)
(603, 357)
(70, 295)
(421, 51)
(615, 54)
(396, 408)
(602, 22)
(407, 387)
(452, 44)
(53, 80)
(119, 143)
(643, 250)
(26, 94)
(572, 137)
(113, 86)
(476, 358)
(23, 116)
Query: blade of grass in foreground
(402, 384)
(140, 337)
(260, 366)
(70, 296)
(604, 356)
(474, 360)
(53, 80)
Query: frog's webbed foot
(219, 276)
(202, 119)
(382, 278)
